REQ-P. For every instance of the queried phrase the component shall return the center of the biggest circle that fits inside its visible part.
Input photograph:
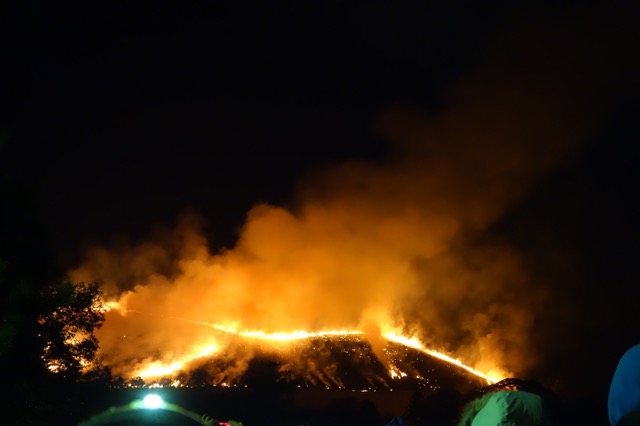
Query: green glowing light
(152, 401)
(131, 412)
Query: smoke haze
(402, 244)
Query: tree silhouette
(39, 310)
(74, 311)
(26, 269)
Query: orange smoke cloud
(397, 245)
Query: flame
(396, 373)
(159, 369)
(281, 336)
(406, 234)
(113, 305)
(413, 342)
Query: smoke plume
(404, 244)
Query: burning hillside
(172, 313)
(334, 359)
(399, 250)
(342, 363)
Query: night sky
(131, 115)
(118, 118)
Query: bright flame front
(219, 346)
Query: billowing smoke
(405, 243)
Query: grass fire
(400, 249)
(291, 348)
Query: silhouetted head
(624, 393)
(507, 407)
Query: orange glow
(112, 305)
(283, 340)
(416, 344)
(404, 248)
(392, 250)
(280, 336)
(157, 369)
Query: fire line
(159, 369)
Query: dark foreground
(71, 405)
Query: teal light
(152, 401)
(131, 412)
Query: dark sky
(123, 116)
(130, 114)
(118, 117)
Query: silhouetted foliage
(74, 312)
(26, 268)
(27, 274)
(136, 382)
